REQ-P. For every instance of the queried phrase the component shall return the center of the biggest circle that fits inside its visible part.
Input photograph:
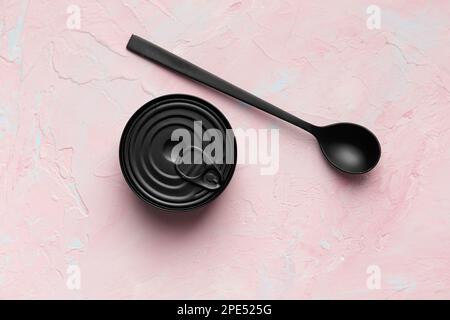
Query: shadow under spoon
(348, 147)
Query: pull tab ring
(211, 178)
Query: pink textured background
(307, 232)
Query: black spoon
(347, 146)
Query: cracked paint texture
(306, 232)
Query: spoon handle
(167, 59)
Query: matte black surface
(349, 147)
(146, 147)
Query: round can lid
(163, 152)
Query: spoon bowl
(349, 147)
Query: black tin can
(156, 164)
